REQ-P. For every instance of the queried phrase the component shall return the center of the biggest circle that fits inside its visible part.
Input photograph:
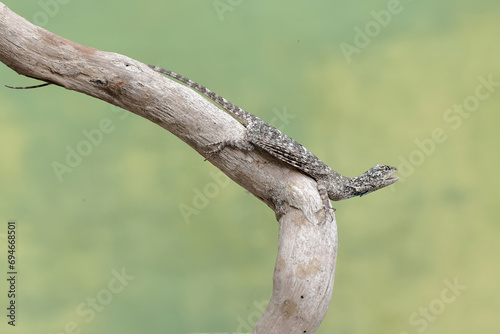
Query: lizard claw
(329, 214)
(218, 147)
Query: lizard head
(375, 178)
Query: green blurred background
(379, 102)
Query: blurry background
(413, 84)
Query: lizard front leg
(242, 144)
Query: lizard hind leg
(329, 216)
(217, 148)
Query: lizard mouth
(390, 179)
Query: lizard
(331, 185)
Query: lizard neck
(338, 186)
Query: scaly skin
(331, 185)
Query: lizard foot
(219, 147)
(216, 149)
(329, 216)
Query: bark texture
(307, 246)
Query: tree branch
(305, 265)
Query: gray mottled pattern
(331, 185)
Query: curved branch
(305, 265)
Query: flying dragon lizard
(331, 185)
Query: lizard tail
(231, 108)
